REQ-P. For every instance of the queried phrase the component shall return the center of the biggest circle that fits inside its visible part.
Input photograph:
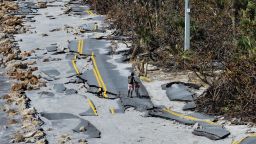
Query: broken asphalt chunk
(90, 130)
(51, 48)
(59, 88)
(179, 92)
(70, 91)
(46, 93)
(203, 116)
(189, 106)
(161, 113)
(51, 72)
(189, 85)
(248, 140)
(213, 132)
(92, 111)
(140, 104)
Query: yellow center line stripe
(99, 76)
(241, 140)
(89, 12)
(93, 107)
(81, 47)
(75, 67)
(187, 117)
(98, 81)
(75, 57)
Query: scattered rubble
(42, 4)
(17, 104)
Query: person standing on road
(137, 87)
(131, 82)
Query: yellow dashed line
(99, 76)
(92, 107)
(187, 117)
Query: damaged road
(84, 95)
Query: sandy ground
(130, 127)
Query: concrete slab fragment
(51, 72)
(137, 103)
(189, 85)
(51, 48)
(72, 71)
(213, 132)
(45, 77)
(50, 77)
(46, 93)
(178, 92)
(78, 10)
(70, 91)
(249, 140)
(92, 111)
(203, 116)
(90, 129)
(59, 88)
(189, 106)
(119, 109)
(89, 112)
(93, 27)
(159, 112)
(58, 116)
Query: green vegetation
(223, 33)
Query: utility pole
(187, 25)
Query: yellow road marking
(241, 140)
(99, 76)
(187, 117)
(89, 12)
(81, 46)
(95, 74)
(75, 67)
(112, 110)
(79, 49)
(93, 107)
